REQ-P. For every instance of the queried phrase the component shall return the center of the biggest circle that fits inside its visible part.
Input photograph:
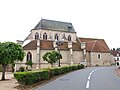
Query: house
(116, 56)
(49, 35)
(97, 52)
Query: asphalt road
(95, 78)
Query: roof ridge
(55, 21)
(94, 45)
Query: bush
(21, 69)
(80, 66)
(28, 78)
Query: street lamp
(59, 43)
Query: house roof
(54, 25)
(115, 52)
(48, 45)
(95, 45)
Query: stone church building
(49, 35)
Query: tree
(52, 57)
(29, 62)
(9, 53)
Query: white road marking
(89, 77)
(90, 73)
(88, 84)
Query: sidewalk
(10, 83)
(117, 70)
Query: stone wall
(95, 61)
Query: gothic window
(29, 56)
(69, 38)
(36, 36)
(56, 37)
(44, 36)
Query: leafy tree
(52, 57)
(9, 53)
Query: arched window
(36, 36)
(56, 37)
(44, 36)
(69, 38)
(29, 56)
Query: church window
(56, 37)
(69, 38)
(44, 36)
(29, 56)
(36, 36)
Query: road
(94, 78)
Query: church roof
(54, 25)
(95, 45)
(48, 45)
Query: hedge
(28, 78)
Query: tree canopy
(52, 57)
(9, 53)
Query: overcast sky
(90, 18)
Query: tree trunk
(3, 71)
(51, 64)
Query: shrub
(80, 66)
(21, 69)
(28, 78)
(74, 67)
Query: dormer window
(56, 37)
(44, 36)
(69, 38)
(36, 36)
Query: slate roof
(95, 45)
(54, 25)
(48, 45)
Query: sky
(90, 18)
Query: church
(49, 35)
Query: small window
(29, 56)
(99, 56)
(56, 37)
(44, 36)
(36, 36)
(117, 59)
(69, 38)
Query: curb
(116, 72)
